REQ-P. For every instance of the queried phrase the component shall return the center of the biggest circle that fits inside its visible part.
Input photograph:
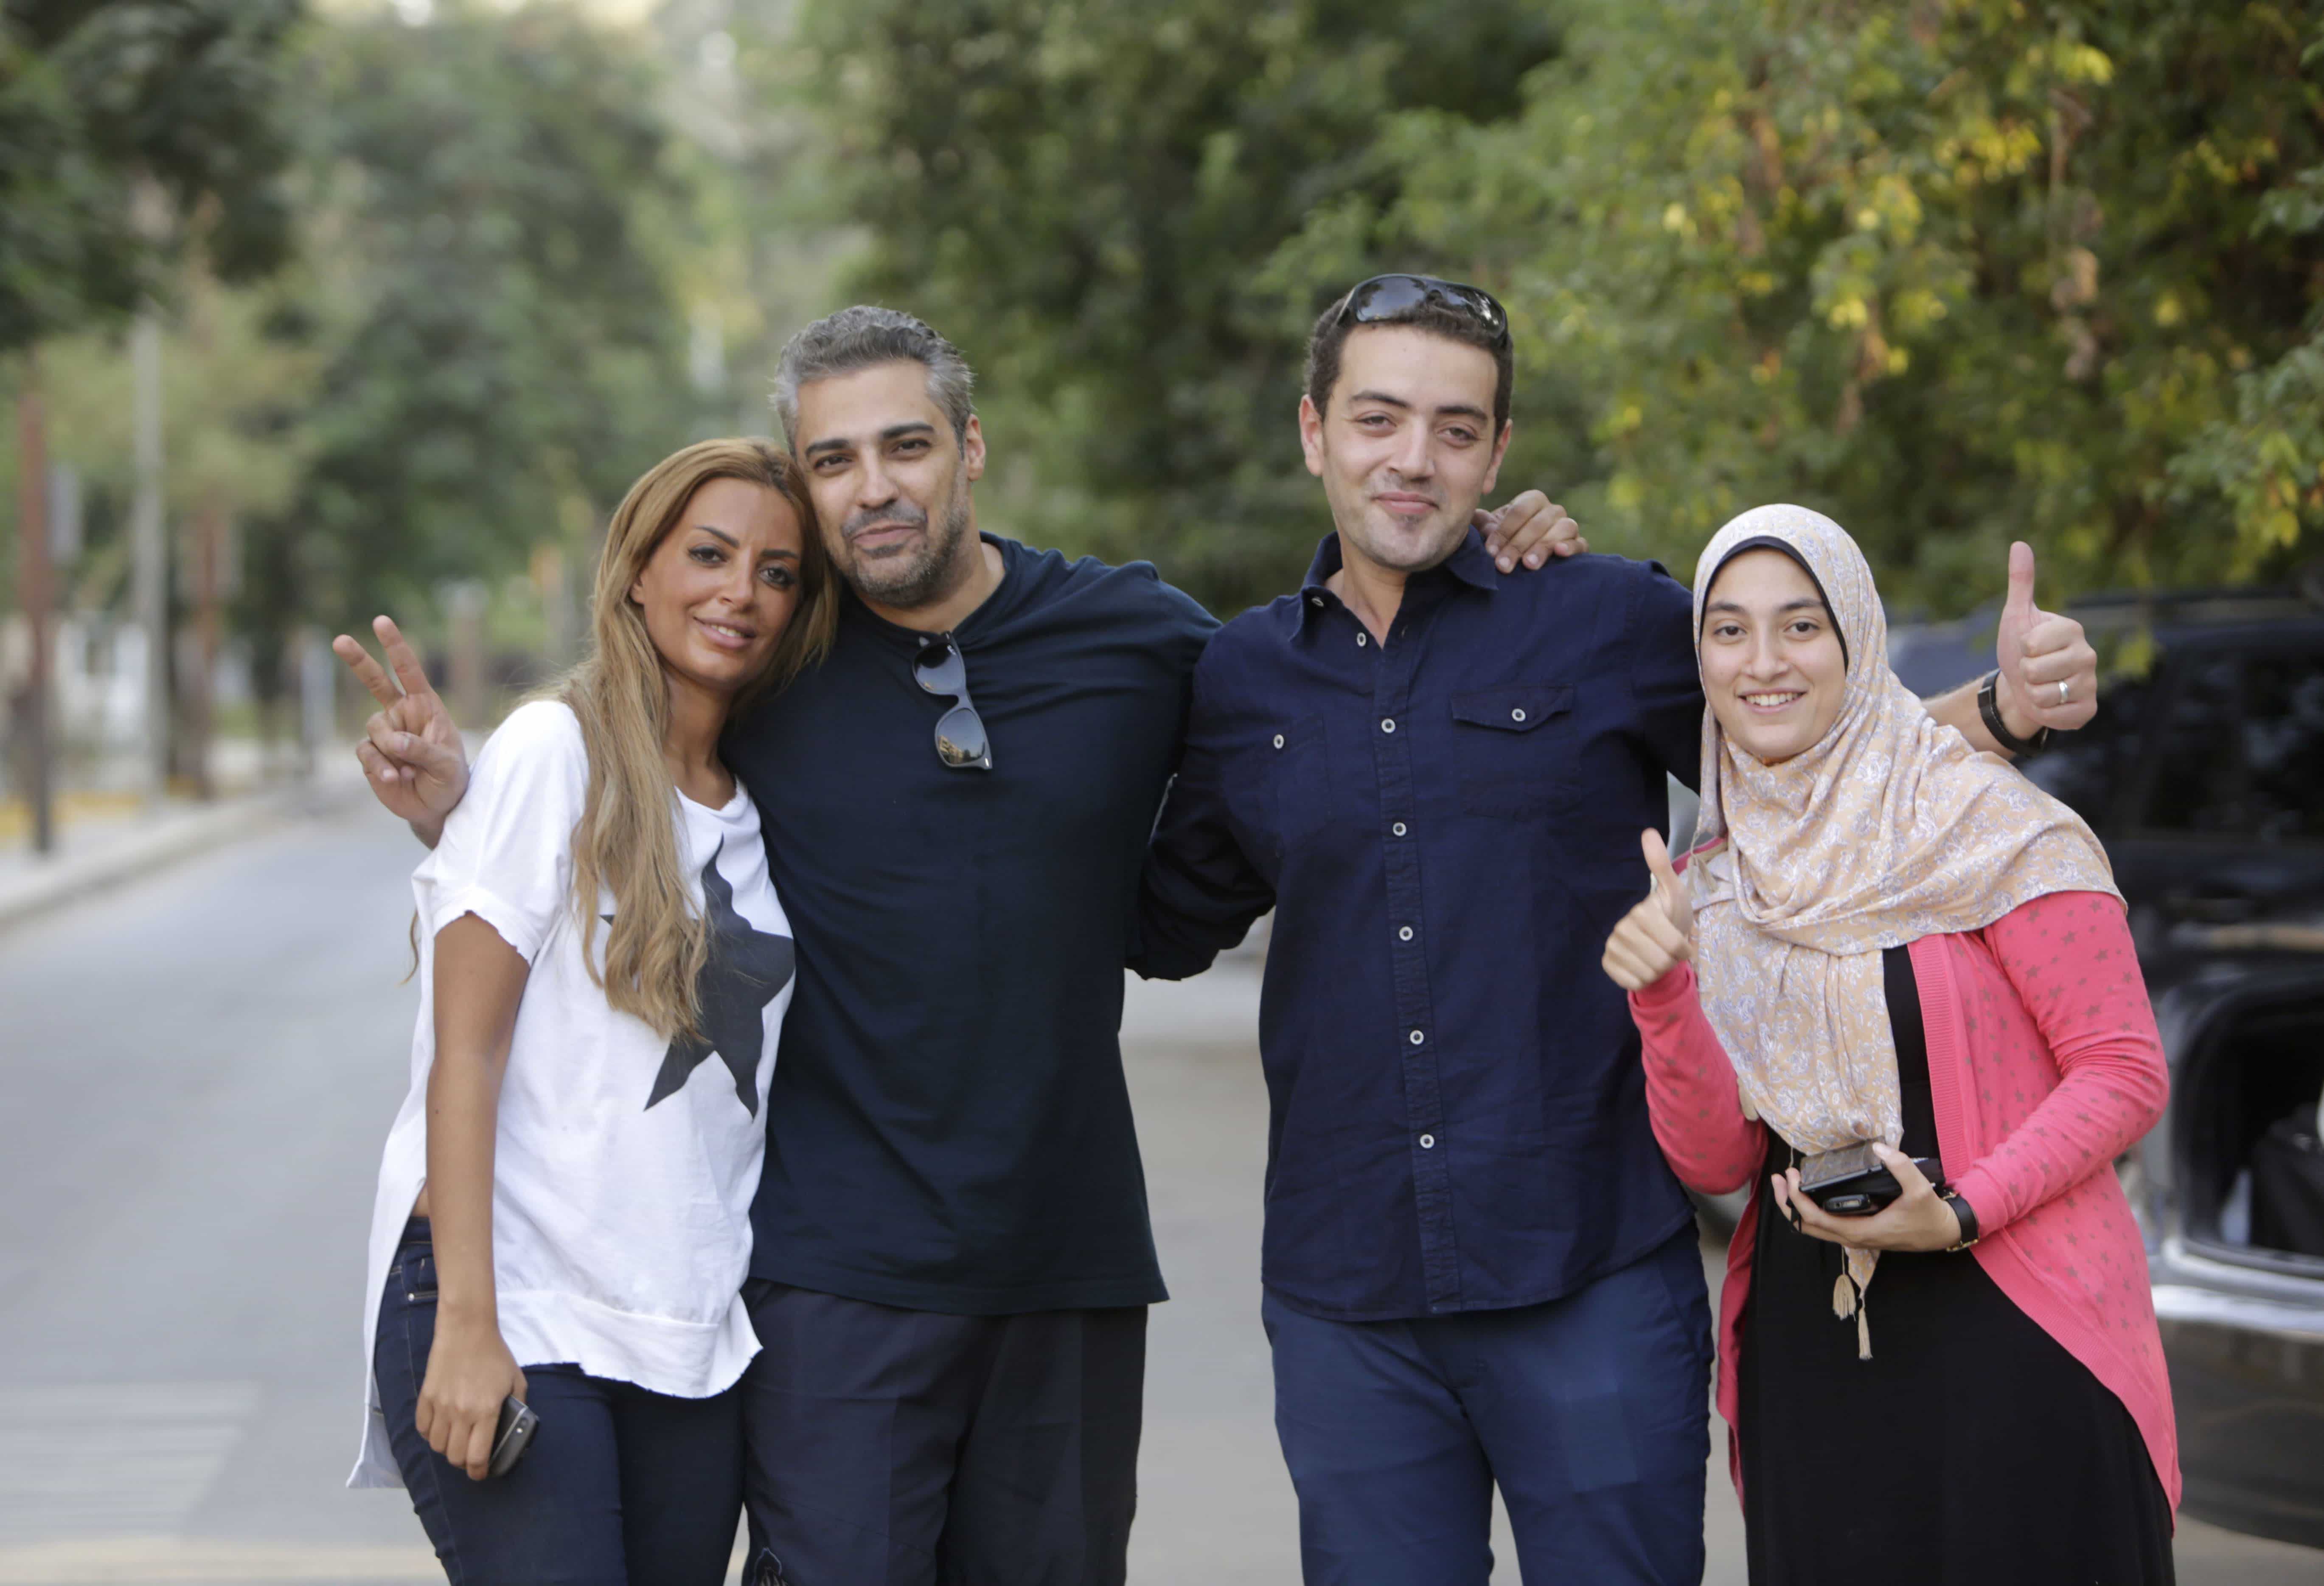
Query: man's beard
(1412, 552)
(902, 580)
(1402, 548)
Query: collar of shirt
(1469, 564)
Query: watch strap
(1965, 1214)
(1988, 707)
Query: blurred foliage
(1086, 195)
(1955, 271)
(231, 392)
(491, 213)
(770, 230)
(121, 121)
(477, 341)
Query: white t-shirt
(625, 1162)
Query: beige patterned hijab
(1891, 827)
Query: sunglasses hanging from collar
(961, 741)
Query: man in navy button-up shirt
(1447, 821)
(1478, 1266)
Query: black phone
(514, 1435)
(1852, 1183)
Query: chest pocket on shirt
(1512, 748)
(1298, 781)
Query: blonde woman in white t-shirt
(563, 1215)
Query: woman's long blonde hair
(627, 838)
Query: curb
(177, 838)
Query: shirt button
(1428, 1142)
(1278, 740)
(1317, 601)
(1387, 724)
(1517, 716)
(1362, 639)
(1398, 829)
(1404, 934)
(1418, 1037)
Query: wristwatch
(1989, 708)
(1968, 1218)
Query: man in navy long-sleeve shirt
(1478, 1267)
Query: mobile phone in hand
(514, 1435)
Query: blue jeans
(1592, 1412)
(621, 1487)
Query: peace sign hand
(1658, 935)
(411, 753)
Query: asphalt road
(196, 1074)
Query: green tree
(1088, 197)
(120, 120)
(493, 215)
(1957, 271)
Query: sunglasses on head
(1387, 298)
(961, 741)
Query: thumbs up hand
(2036, 650)
(1658, 935)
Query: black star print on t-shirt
(745, 970)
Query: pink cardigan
(2044, 1066)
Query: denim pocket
(413, 1275)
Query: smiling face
(1772, 667)
(891, 483)
(1408, 448)
(718, 591)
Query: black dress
(1971, 1449)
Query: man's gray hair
(863, 338)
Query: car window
(2283, 745)
(2088, 768)
(2197, 771)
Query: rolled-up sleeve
(506, 855)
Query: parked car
(2203, 773)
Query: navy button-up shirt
(1447, 825)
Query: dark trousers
(908, 1448)
(621, 1486)
(1590, 1413)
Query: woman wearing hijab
(1885, 938)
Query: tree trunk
(35, 727)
